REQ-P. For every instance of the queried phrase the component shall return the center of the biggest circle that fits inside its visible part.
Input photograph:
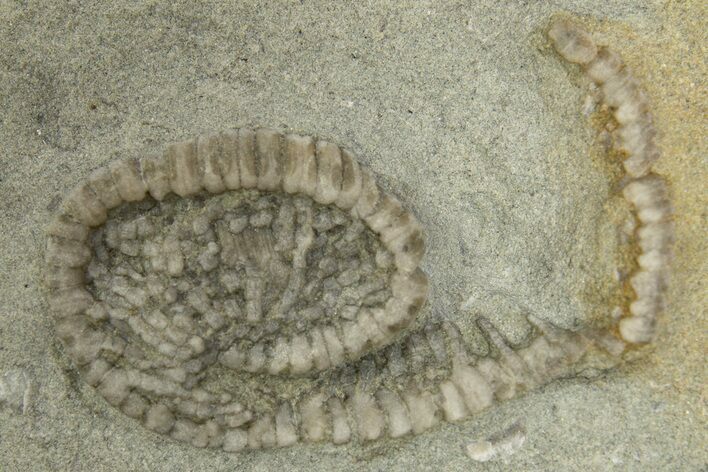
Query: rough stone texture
(463, 110)
(225, 272)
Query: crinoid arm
(645, 190)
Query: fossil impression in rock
(646, 191)
(250, 289)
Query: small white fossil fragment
(502, 444)
(16, 390)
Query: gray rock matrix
(465, 113)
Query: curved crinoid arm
(645, 190)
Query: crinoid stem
(646, 191)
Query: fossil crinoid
(241, 251)
(251, 289)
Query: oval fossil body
(241, 252)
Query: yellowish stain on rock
(671, 64)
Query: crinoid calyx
(244, 251)
(250, 289)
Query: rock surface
(463, 111)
